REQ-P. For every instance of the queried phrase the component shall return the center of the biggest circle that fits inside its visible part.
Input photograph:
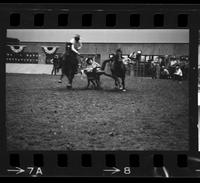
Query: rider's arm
(97, 64)
(73, 49)
(180, 72)
(80, 46)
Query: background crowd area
(142, 66)
(156, 65)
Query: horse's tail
(104, 64)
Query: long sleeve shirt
(92, 66)
(76, 46)
(178, 72)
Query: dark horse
(118, 69)
(68, 65)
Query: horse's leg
(88, 84)
(69, 84)
(117, 82)
(61, 76)
(56, 70)
(123, 83)
(94, 84)
(120, 83)
(97, 80)
(70, 79)
(52, 71)
(97, 83)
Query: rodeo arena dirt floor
(43, 114)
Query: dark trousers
(77, 61)
(177, 77)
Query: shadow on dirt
(64, 89)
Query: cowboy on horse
(76, 46)
(118, 69)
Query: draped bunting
(50, 49)
(17, 48)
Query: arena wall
(104, 49)
(28, 68)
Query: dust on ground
(42, 114)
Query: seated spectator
(165, 73)
(178, 74)
(157, 70)
(153, 70)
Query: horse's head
(138, 55)
(119, 53)
(68, 48)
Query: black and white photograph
(97, 89)
(199, 94)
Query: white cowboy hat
(77, 35)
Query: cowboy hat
(77, 35)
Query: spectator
(178, 74)
(157, 70)
(153, 70)
(164, 74)
(56, 64)
(162, 62)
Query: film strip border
(99, 16)
(160, 164)
(109, 164)
(111, 19)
